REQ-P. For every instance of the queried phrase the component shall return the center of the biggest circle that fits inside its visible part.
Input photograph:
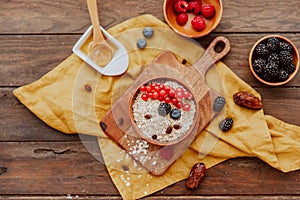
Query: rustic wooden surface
(39, 162)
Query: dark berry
(261, 50)
(226, 124)
(290, 68)
(219, 103)
(286, 58)
(148, 32)
(259, 65)
(272, 44)
(271, 72)
(283, 46)
(164, 109)
(274, 57)
(283, 75)
(175, 114)
(141, 43)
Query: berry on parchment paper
(182, 19)
(198, 23)
(207, 11)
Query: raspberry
(198, 23)
(181, 6)
(195, 6)
(208, 11)
(182, 19)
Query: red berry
(198, 23)
(156, 88)
(186, 107)
(162, 93)
(195, 6)
(182, 19)
(179, 95)
(181, 6)
(179, 89)
(187, 95)
(167, 89)
(172, 93)
(167, 99)
(144, 97)
(160, 98)
(179, 104)
(174, 101)
(149, 88)
(143, 88)
(208, 11)
(155, 95)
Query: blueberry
(148, 32)
(141, 43)
(175, 113)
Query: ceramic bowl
(159, 129)
(187, 30)
(254, 55)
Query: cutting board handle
(217, 49)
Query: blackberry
(148, 32)
(283, 46)
(290, 68)
(258, 65)
(272, 44)
(219, 103)
(283, 75)
(286, 58)
(164, 109)
(274, 57)
(261, 50)
(271, 72)
(226, 124)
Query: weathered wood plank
(40, 168)
(25, 58)
(72, 17)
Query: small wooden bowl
(192, 128)
(294, 52)
(187, 30)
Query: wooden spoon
(99, 50)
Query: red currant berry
(162, 86)
(167, 99)
(156, 88)
(187, 95)
(143, 88)
(162, 93)
(186, 107)
(155, 95)
(174, 101)
(144, 97)
(172, 93)
(160, 98)
(149, 88)
(179, 89)
(167, 89)
(179, 95)
(150, 95)
(179, 104)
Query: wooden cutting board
(117, 125)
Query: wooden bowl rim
(199, 34)
(294, 52)
(159, 143)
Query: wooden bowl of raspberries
(193, 18)
(274, 60)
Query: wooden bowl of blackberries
(274, 60)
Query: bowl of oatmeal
(163, 111)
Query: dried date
(248, 100)
(197, 173)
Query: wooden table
(37, 161)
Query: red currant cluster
(163, 93)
